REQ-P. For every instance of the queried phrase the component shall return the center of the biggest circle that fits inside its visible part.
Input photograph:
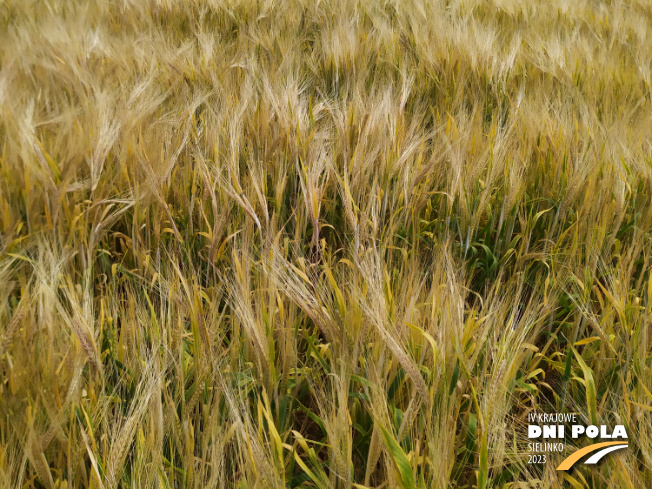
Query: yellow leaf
(649, 408)
(586, 341)
(574, 482)
(430, 339)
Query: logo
(602, 448)
(553, 428)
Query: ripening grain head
(321, 244)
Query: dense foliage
(322, 244)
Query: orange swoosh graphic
(575, 456)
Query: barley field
(322, 244)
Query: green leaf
(400, 460)
(591, 400)
(456, 374)
(470, 435)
